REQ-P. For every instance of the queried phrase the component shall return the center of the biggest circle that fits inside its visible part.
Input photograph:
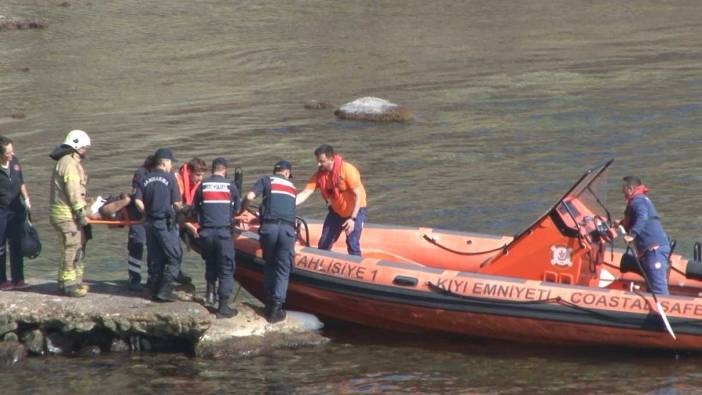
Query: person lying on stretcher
(115, 210)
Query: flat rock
(249, 333)
(110, 308)
(374, 109)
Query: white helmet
(77, 139)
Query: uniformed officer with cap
(158, 196)
(277, 234)
(215, 202)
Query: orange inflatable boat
(559, 281)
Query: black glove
(80, 218)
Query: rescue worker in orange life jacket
(158, 196)
(215, 202)
(277, 235)
(189, 177)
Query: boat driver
(645, 230)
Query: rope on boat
(436, 243)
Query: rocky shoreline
(111, 318)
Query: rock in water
(119, 345)
(12, 353)
(19, 24)
(10, 337)
(308, 322)
(58, 343)
(34, 341)
(373, 109)
(7, 324)
(89, 351)
(318, 105)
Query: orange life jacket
(187, 190)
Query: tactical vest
(218, 202)
(278, 200)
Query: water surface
(514, 100)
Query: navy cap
(164, 153)
(283, 165)
(219, 162)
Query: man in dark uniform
(137, 234)
(158, 196)
(14, 200)
(215, 203)
(277, 235)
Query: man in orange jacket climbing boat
(339, 182)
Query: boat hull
(365, 291)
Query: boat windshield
(584, 201)
(590, 191)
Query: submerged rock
(318, 105)
(34, 341)
(119, 345)
(7, 23)
(89, 351)
(249, 334)
(58, 343)
(7, 324)
(10, 337)
(375, 110)
(12, 353)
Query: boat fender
(693, 270)
(697, 251)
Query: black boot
(225, 311)
(182, 279)
(210, 295)
(166, 294)
(276, 313)
(268, 306)
(134, 281)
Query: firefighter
(67, 212)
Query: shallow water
(514, 100)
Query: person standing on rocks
(339, 182)
(277, 235)
(215, 202)
(157, 197)
(189, 177)
(67, 212)
(136, 239)
(13, 212)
